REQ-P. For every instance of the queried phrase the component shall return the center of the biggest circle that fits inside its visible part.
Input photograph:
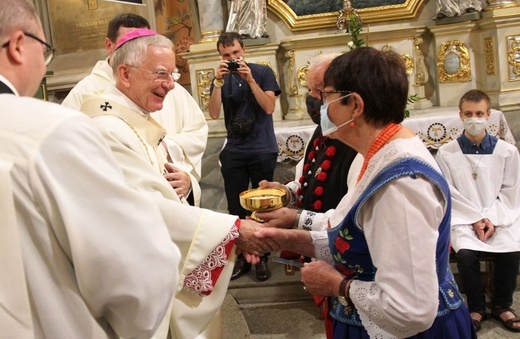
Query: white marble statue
(452, 8)
(248, 18)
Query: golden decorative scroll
(489, 54)
(453, 62)
(301, 75)
(408, 63)
(293, 88)
(204, 78)
(421, 74)
(513, 53)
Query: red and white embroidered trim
(202, 279)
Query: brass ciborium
(262, 199)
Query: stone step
(280, 288)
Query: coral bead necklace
(381, 139)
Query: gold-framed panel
(513, 56)
(295, 22)
(454, 49)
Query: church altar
(436, 127)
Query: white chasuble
(204, 237)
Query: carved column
(421, 76)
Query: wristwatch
(342, 297)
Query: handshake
(269, 232)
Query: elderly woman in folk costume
(382, 254)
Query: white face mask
(327, 126)
(474, 125)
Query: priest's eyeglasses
(161, 75)
(324, 94)
(48, 53)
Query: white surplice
(186, 126)
(199, 233)
(96, 254)
(494, 194)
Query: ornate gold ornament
(489, 55)
(301, 75)
(453, 62)
(408, 63)
(408, 9)
(421, 74)
(292, 89)
(513, 42)
(92, 5)
(204, 78)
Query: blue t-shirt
(240, 103)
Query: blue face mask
(327, 126)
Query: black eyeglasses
(48, 53)
(323, 94)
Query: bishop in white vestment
(206, 239)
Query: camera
(233, 65)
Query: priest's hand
(282, 218)
(298, 241)
(249, 242)
(179, 180)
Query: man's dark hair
(228, 38)
(379, 77)
(125, 20)
(474, 95)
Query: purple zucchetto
(136, 33)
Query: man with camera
(247, 93)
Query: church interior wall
(489, 38)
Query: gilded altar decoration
(408, 63)
(204, 78)
(421, 75)
(453, 62)
(92, 5)
(292, 89)
(325, 16)
(301, 75)
(350, 21)
(513, 53)
(489, 55)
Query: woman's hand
(321, 279)
(282, 218)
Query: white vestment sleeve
(15, 310)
